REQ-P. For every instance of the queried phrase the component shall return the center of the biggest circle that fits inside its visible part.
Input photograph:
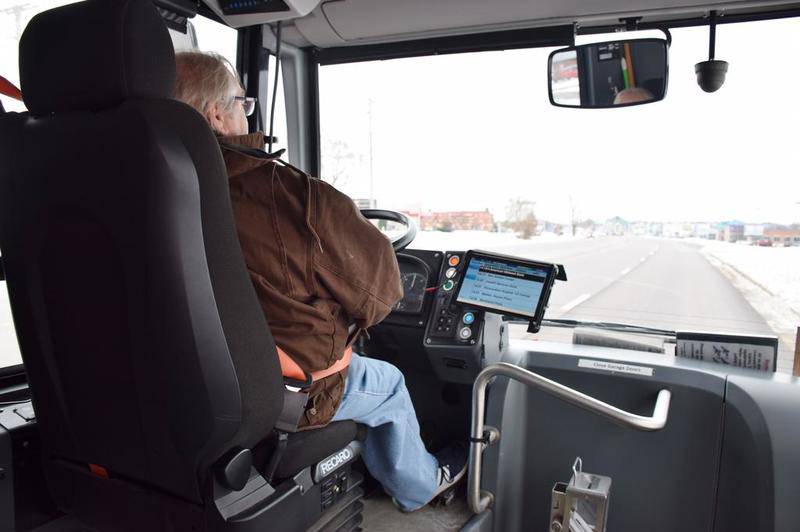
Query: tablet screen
(505, 286)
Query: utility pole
(372, 203)
(796, 369)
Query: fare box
(751, 352)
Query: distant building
(678, 230)
(549, 227)
(705, 230)
(655, 228)
(732, 231)
(783, 236)
(457, 220)
(365, 203)
(617, 226)
(639, 228)
(754, 231)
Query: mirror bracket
(712, 37)
(631, 23)
(667, 34)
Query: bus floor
(380, 515)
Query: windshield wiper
(604, 325)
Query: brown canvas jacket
(316, 263)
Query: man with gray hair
(319, 266)
(632, 95)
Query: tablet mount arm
(535, 324)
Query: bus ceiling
(344, 23)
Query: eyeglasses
(248, 104)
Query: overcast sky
(471, 131)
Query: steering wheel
(401, 241)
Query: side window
(207, 35)
(14, 16)
(9, 349)
(280, 130)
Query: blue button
(468, 318)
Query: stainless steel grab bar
(479, 500)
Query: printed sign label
(616, 367)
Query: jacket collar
(251, 140)
(237, 162)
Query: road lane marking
(575, 302)
(626, 271)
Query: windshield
(684, 214)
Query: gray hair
(204, 78)
(633, 95)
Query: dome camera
(711, 74)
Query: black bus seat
(153, 372)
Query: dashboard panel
(457, 340)
(419, 271)
(415, 276)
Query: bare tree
(337, 162)
(520, 217)
(18, 11)
(573, 216)
(445, 226)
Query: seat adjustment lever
(234, 469)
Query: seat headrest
(94, 54)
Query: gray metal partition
(662, 481)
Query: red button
(454, 260)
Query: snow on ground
(463, 240)
(769, 278)
(775, 269)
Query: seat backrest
(145, 345)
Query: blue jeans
(375, 395)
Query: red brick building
(455, 220)
(783, 236)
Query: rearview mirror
(609, 74)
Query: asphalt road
(643, 281)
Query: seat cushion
(308, 447)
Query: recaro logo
(335, 461)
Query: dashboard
(415, 275)
(429, 280)
(419, 274)
(456, 340)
